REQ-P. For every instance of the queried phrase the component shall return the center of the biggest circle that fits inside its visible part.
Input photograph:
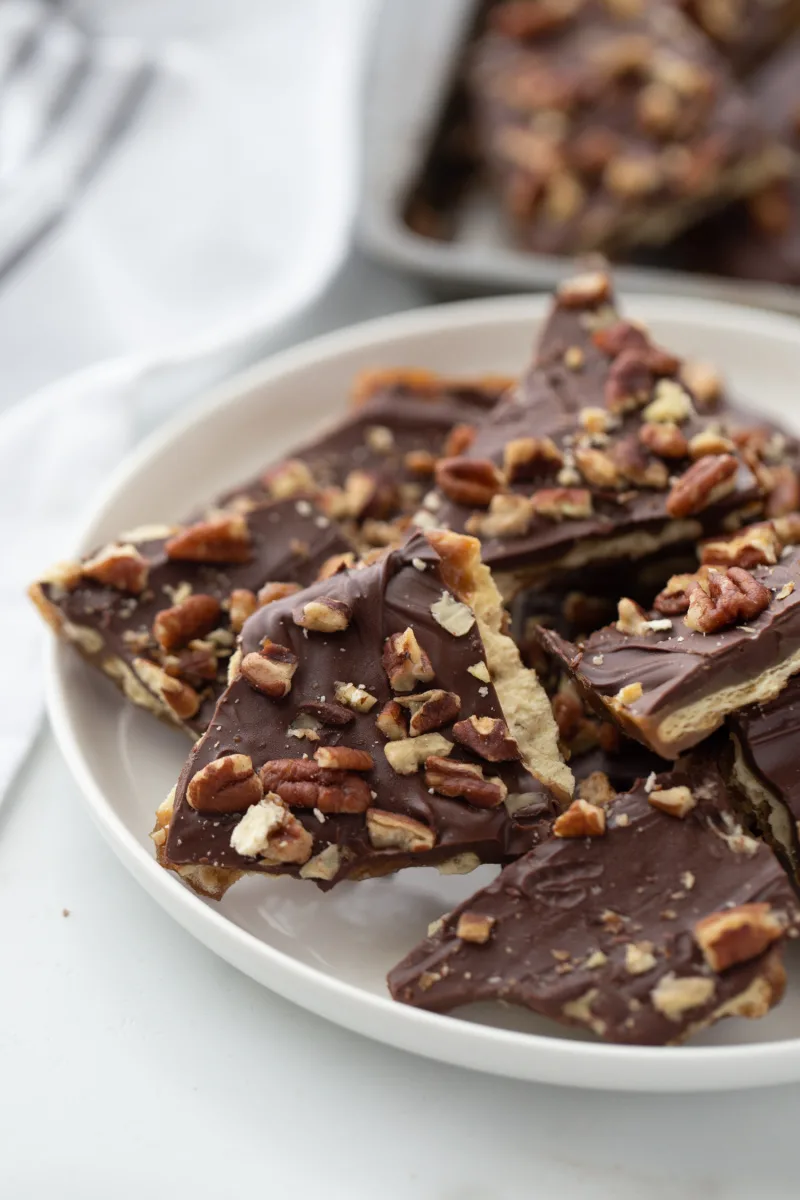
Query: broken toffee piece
(643, 920)
(377, 720)
(639, 467)
(158, 610)
(608, 125)
(718, 641)
(765, 770)
(371, 470)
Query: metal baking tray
(417, 50)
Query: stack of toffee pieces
(551, 624)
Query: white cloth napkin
(223, 213)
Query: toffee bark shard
(411, 736)
(662, 924)
(604, 453)
(608, 126)
(158, 610)
(670, 680)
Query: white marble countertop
(136, 1063)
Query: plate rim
(520, 1055)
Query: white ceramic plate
(330, 953)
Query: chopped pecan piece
(596, 789)
(224, 538)
(528, 457)
(420, 462)
(709, 442)
(394, 831)
(629, 382)
(474, 927)
(226, 785)
(509, 515)
(465, 780)
(676, 801)
(429, 710)
(271, 592)
(674, 598)
(705, 482)
(344, 758)
(119, 567)
(584, 291)
(672, 403)
(581, 819)
(488, 737)
(733, 595)
(270, 832)
(664, 439)
(328, 713)
(242, 603)
(784, 491)
(752, 547)
(392, 721)
(182, 699)
(469, 481)
(735, 935)
(354, 697)
(561, 503)
(459, 440)
(631, 618)
(636, 466)
(174, 628)
(335, 564)
(454, 616)
(270, 670)
(405, 662)
(323, 615)
(406, 755)
(301, 783)
(290, 478)
(597, 467)
(703, 381)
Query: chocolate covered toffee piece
(379, 719)
(640, 466)
(765, 769)
(608, 125)
(371, 470)
(158, 610)
(644, 918)
(718, 640)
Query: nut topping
(301, 783)
(174, 628)
(406, 755)
(449, 777)
(488, 737)
(182, 699)
(509, 515)
(242, 603)
(528, 457)
(459, 440)
(120, 567)
(674, 598)
(754, 546)
(453, 616)
(581, 819)
(221, 539)
(735, 935)
(733, 595)
(474, 927)
(709, 442)
(405, 662)
(271, 669)
(664, 439)
(268, 831)
(393, 831)
(354, 697)
(290, 478)
(632, 619)
(560, 503)
(673, 995)
(225, 785)
(468, 481)
(429, 710)
(343, 758)
(584, 291)
(327, 712)
(676, 801)
(705, 482)
(596, 789)
(271, 592)
(392, 721)
(597, 467)
(323, 615)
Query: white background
(133, 1062)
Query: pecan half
(562, 503)
(453, 615)
(705, 482)
(392, 721)
(674, 598)
(488, 737)
(420, 462)
(733, 595)
(753, 546)
(119, 567)
(301, 783)
(469, 481)
(182, 699)
(464, 780)
(581, 819)
(405, 662)
(174, 628)
(323, 615)
(242, 603)
(270, 670)
(343, 758)
(394, 831)
(736, 935)
(528, 457)
(221, 539)
(430, 710)
(226, 785)
(664, 439)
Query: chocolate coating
(290, 540)
(387, 597)
(565, 914)
(679, 667)
(746, 32)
